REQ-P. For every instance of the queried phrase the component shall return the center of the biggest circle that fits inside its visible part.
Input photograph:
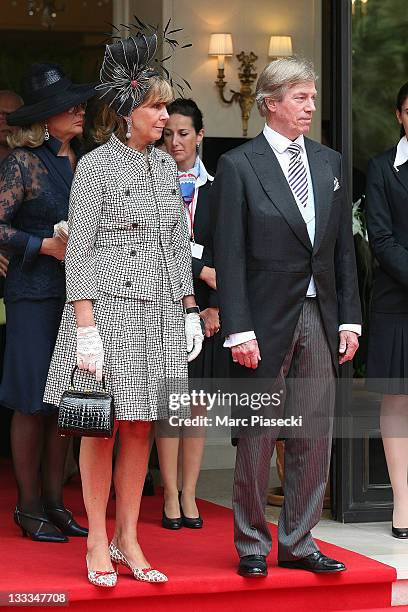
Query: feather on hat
(129, 64)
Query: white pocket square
(336, 184)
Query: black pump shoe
(63, 519)
(53, 535)
(191, 523)
(171, 523)
(400, 532)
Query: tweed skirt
(145, 354)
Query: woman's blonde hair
(108, 122)
(27, 136)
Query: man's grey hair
(278, 76)
(7, 93)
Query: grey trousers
(308, 379)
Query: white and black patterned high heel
(145, 574)
(102, 579)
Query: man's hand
(348, 346)
(207, 275)
(246, 354)
(4, 262)
(211, 321)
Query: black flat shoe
(400, 532)
(63, 519)
(23, 520)
(253, 566)
(191, 523)
(171, 523)
(317, 562)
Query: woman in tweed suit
(128, 267)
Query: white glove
(90, 350)
(194, 335)
(61, 231)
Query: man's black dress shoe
(253, 566)
(400, 532)
(63, 519)
(316, 562)
(171, 523)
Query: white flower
(359, 221)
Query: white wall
(251, 23)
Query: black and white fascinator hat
(130, 62)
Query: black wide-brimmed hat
(47, 91)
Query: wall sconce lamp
(221, 46)
(280, 46)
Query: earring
(129, 127)
(46, 132)
(197, 148)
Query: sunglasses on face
(75, 110)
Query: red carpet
(200, 564)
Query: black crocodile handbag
(86, 413)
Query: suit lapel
(273, 181)
(323, 183)
(402, 173)
(201, 211)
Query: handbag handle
(72, 379)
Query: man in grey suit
(289, 305)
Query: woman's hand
(90, 350)
(54, 247)
(208, 276)
(194, 335)
(211, 321)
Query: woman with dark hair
(387, 367)
(129, 276)
(183, 134)
(34, 190)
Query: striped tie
(297, 176)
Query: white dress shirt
(279, 145)
(402, 153)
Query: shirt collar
(55, 145)
(131, 154)
(203, 177)
(280, 143)
(402, 152)
(200, 172)
(195, 170)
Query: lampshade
(280, 46)
(220, 44)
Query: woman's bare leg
(95, 462)
(129, 476)
(192, 456)
(193, 449)
(167, 449)
(394, 431)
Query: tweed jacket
(125, 215)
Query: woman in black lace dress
(35, 183)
